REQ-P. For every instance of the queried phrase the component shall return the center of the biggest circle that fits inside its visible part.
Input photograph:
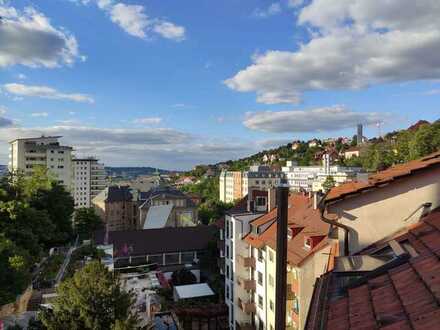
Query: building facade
(89, 180)
(118, 207)
(235, 185)
(311, 178)
(250, 262)
(46, 151)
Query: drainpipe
(281, 261)
(323, 207)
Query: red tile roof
(384, 177)
(403, 297)
(301, 215)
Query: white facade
(89, 180)
(311, 178)
(27, 154)
(235, 185)
(239, 283)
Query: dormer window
(308, 242)
(289, 233)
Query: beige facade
(383, 211)
(27, 154)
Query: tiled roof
(384, 177)
(406, 296)
(301, 215)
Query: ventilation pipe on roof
(323, 208)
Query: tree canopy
(35, 214)
(86, 222)
(91, 299)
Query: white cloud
(39, 114)
(134, 20)
(353, 44)
(161, 147)
(28, 38)
(148, 120)
(131, 18)
(72, 113)
(309, 121)
(170, 30)
(21, 76)
(45, 92)
(3, 110)
(273, 9)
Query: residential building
(45, 151)
(183, 246)
(391, 284)
(118, 207)
(89, 180)
(309, 254)
(370, 210)
(296, 145)
(311, 178)
(235, 185)
(165, 206)
(352, 152)
(185, 180)
(314, 143)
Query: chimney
(271, 199)
(281, 261)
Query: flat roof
(193, 291)
(37, 138)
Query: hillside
(395, 147)
(132, 172)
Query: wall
(382, 212)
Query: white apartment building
(27, 154)
(235, 185)
(311, 178)
(239, 281)
(89, 180)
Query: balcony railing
(247, 306)
(246, 261)
(248, 285)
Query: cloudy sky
(175, 83)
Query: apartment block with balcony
(309, 255)
(46, 151)
(240, 283)
(89, 180)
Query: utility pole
(281, 260)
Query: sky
(172, 84)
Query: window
(260, 201)
(271, 305)
(307, 242)
(271, 280)
(260, 278)
(260, 301)
(270, 256)
(260, 255)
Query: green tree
(14, 270)
(329, 183)
(183, 277)
(92, 299)
(425, 141)
(86, 222)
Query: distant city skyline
(168, 85)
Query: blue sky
(168, 84)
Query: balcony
(247, 307)
(248, 285)
(246, 261)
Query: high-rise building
(89, 180)
(360, 134)
(27, 154)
